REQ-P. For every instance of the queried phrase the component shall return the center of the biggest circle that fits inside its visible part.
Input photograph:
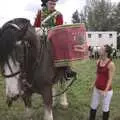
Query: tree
(102, 15)
(76, 17)
(98, 12)
(79, 17)
(116, 18)
(116, 27)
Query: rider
(48, 7)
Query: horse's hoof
(9, 102)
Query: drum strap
(48, 17)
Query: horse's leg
(47, 99)
(63, 100)
(54, 98)
(28, 104)
(63, 97)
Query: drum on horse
(26, 63)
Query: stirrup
(70, 74)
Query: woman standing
(103, 84)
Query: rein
(24, 64)
(42, 45)
(67, 88)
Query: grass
(79, 98)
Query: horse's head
(13, 34)
(17, 37)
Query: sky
(10, 9)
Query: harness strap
(48, 17)
(15, 26)
(12, 75)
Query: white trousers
(97, 96)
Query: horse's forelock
(7, 43)
(14, 31)
(0, 32)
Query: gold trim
(68, 25)
(68, 62)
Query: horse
(26, 63)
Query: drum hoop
(76, 25)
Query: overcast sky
(10, 9)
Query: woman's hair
(108, 50)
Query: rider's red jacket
(54, 21)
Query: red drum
(68, 43)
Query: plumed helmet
(45, 1)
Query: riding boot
(92, 114)
(69, 72)
(106, 115)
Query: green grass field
(79, 96)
